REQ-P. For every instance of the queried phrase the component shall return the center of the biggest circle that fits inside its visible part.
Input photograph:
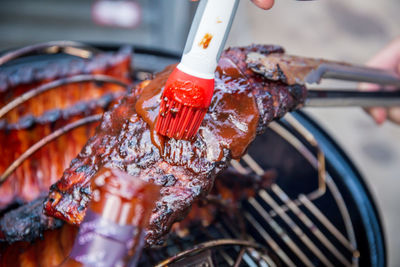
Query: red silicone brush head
(184, 104)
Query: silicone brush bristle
(178, 121)
(184, 104)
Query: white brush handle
(213, 20)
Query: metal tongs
(299, 70)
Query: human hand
(264, 4)
(388, 59)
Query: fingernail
(378, 114)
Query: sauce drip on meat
(148, 104)
(232, 116)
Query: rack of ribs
(35, 118)
(31, 121)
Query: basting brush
(188, 91)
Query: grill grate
(274, 209)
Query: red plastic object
(184, 104)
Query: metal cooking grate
(303, 231)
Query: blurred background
(351, 31)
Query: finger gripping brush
(188, 91)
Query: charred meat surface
(242, 106)
(27, 222)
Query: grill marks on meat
(242, 105)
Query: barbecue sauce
(148, 104)
(230, 123)
(205, 41)
(113, 227)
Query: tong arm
(352, 73)
(300, 70)
(340, 98)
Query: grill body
(317, 212)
